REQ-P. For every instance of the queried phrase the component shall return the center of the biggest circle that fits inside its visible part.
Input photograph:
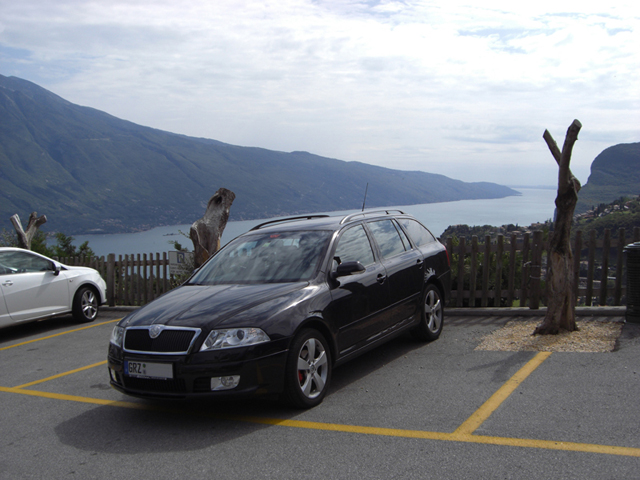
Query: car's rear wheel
(308, 370)
(432, 315)
(85, 305)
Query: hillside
(91, 172)
(615, 173)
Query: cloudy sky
(461, 88)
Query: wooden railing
(131, 279)
(499, 271)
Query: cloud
(443, 86)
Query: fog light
(225, 383)
(114, 375)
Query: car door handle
(419, 263)
(8, 283)
(381, 278)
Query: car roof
(322, 222)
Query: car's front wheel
(432, 315)
(308, 370)
(85, 305)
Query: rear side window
(387, 238)
(354, 246)
(419, 234)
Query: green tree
(65, 247)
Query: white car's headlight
(117, 335)
(233, 338)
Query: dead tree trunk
(206, 232)
(560, 280)
(25, 238)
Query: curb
(527, 312)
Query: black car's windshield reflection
(266, 258)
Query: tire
(308, 370)
(432, 315)
(85, 305)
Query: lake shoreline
(531, 206)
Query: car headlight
(233, 338)
(117, 335)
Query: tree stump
(560, 279)
(25, 238)
(206, 232)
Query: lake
(534, 205)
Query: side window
(419, 234)
(387, 237)
(20, 262)
(354, 246)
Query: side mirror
(56, 269)
(348, 268)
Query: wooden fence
(131, 279)
(498, 272)
(509, 272)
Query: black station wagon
(277, 308)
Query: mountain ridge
(615, 173)
(91, 172)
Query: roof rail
(288, 219)
(369, 212)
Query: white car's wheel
(85, 305)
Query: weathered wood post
(206, 232)
(25, 237)
(560, 288)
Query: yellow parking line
(74, 398)
(490, 406)
(61, 375)
(386, 432)
(59, 334)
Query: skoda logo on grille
(155, 330)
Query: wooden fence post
(617, 297)
(536, 270)
(461, 254)
(512, 270)
(577, 250)
(590, 268)
(486, 266)
(497, 298)
(473, 274)
(111, 261)
(604, 278)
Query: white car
(35, 287)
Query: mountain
(615, 173)
(90, 172)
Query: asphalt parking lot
(406, 410)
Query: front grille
(170, 341)
(154, 385)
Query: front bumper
(261, 371)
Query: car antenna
(365, 196)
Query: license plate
(148, 370)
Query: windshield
(266, 258)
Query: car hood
(209, 306)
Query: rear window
(419, 234)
